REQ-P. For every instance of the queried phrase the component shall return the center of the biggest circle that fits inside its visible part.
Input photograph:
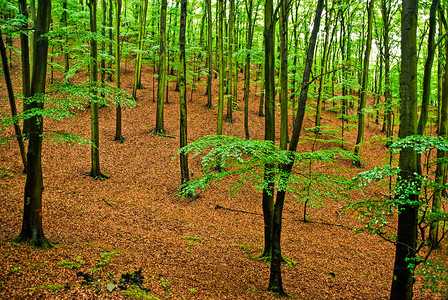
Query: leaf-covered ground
(204, 249)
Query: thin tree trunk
(12, 101)
(275, 279)
(209, 54)
(162, 70)
(139, 59)
(283, 25)
(221, 64)
(26, 69)
(269, 129)
(95, 135)
(118, 135)
(230, 96)
(442, 130)
(365, 78)
(185, 174)
(320, 96)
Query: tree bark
(365, 78)
(269, 127)
(162, 70)
(95, 134)
(185, 174)
(320, 96)
(32, 212)
(230, 96)
(118, 135)
(140, 42)
(403, 279)
(12, 101)
(221, 64)
(26, 69)
(275, 279)
(209, 54)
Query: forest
(227, 149)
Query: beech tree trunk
(269, 129)
(221, 64)
(275, 279)
(32, 211)
(162, 70)
(118, 135)
(185, 174)
(139, 59)
(209, 54)
(365, 78)
(403, 279)
(12, 101)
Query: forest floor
(202, 249)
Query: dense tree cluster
(305, 55)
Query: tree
(284, 9)
(269, 127)
(250, 36)
(442, 131)
(12, 101)
(32, 211)
(140, 42)
(118, 136)
(403, 278)
(230, 97)
(95, 132)
(209, 54)
(365, 78)
(221, 64)
(275, 279)
(185, 174)
(25, 57)
(386, 15)
(162, 70)
(328, 21)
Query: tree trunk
(111, 8)
(12, 101)
(283, 25)
(118, 135)
(140, 42)
(275, 279)
(269, 130)
(32, 211)
(66, 49)
(230, 97)
(162, 70)
(427, 76)
(185, 174)
(95, 134)
(250, 35)
(365, 78)
(403, 279)
(209, 54)
(442, 132)
(26, 70)
(221, 64)
(320, 96)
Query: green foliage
(245, 161)
(435, 275)
(376, 212)
(76, 264)
(106, 258)
(50, 287)
(138, 293)
(57, 137)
